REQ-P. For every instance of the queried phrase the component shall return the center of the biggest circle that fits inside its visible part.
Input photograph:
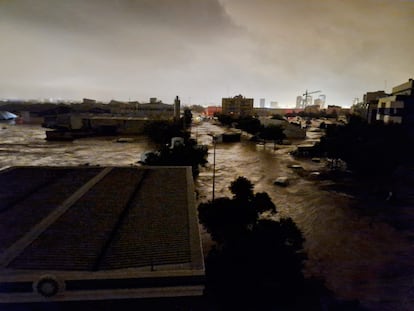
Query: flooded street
(360, 257)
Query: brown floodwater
(360, 256)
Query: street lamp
(214, 162)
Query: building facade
(212, 110)
(370, 101)
(262, 102)
(237, 106)
(395, 108)
(406, 88)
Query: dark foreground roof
(74, 233)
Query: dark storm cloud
(204, 49)
(109, 45)
(342, 47)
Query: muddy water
(26, 145)
(359, 256)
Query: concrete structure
(237, 106)
(406, 88)
(119, 107)
(31, 118)
(155, 109)
(262, 102)
(321, 101)
(396, 109)
(370, 101)
(92, 233)
(96, 124)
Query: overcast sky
(203, 50)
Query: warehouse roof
(133, 229)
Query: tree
(197, 108)
(272, 132)
(187, 118)
(368, 149)
(161, 131)
(224, 118)
(257, 262)
(242, 189)
(188, 154)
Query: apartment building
(237, 106)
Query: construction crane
(305, 99)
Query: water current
(360, 256)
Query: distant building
(98, 233)
(321, 101)
(274, 104)
(267, 112)
(308, 101)
(262, 102)
(154, 110)
(332, 109)
(88, 101)
(237, 106)
(312, 109)
(299, 102)
(264, 112)
(211, 110)
(120, 107)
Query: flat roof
(113, 232)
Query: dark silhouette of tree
(242, 189)
(187, 154)
(249, 124)
(368, 149)
(272, 132)
(161, 131)
(257, 263)
(278, 117)
(263, 203)
(187, 118)
(197, 108)
(224, 118)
